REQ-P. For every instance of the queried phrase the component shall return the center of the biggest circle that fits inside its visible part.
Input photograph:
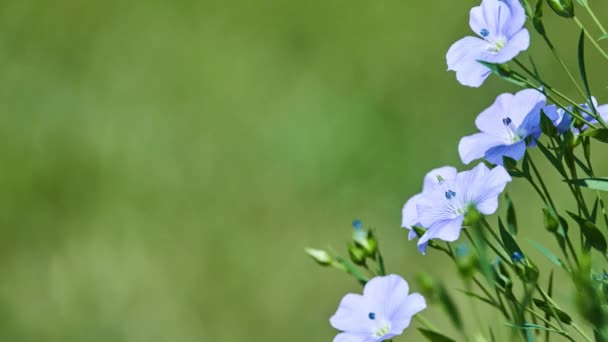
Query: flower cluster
(506, 129)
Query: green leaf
(434, 336)
(505, 73)
(547, 126)
(553, 311)
(583, 3)
(596, 183)
(476, 296)
(537, 19)
(593, 236)
(511, 217)
(604, 36)
(450, 306)
(508, 241)
(583, 70)
(546, 252)
(528, 326)
(599, 134)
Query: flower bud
(320, 256)
(563, 8)
(365, 240)
(357, 254)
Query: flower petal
(514, 151)
(492, 185)
(524, 103)
(352, 337)
(446, 230)
(516, 44)
(462, 57)
(491, 119)
(432, 178)
(388, 292)
(409, 214)
(401, 319)
(492, 17)
(475, 146)
(518, 17)
(352, 314)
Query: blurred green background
(164, 163)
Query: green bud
(320, 256)
(357, 254)
(563, 8)
(366, 241)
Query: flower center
(511, 129)
(450, 194)
(382, 329)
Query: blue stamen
(484, 32)
(450, 194)
(517, 257)
(507, 121)
(357, 224)
(372, 316)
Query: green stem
(590, 37)
(425, 322)
(563, 65)
(597, 22)
(581, 332)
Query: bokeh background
(164, 163)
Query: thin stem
(597, 22)
(590, 37)
(581, 332)
(425, 322)
(563, 65)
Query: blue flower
(563, 120)
(504, 127)
(383, 311)
(409, 217)
(499, 25)
(442, 210)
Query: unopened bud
(563, 8)
(320, 256)
(357, 254)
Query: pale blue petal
(491, 16)
(353, 337)
(446, 230)
(409, 214)
(488, 190)
(401, 319)
(518, 17)
(352, 314)
(525, 102)
(514, 151)
(462, 58)
(475, 146)
(432, 177)
(491, 119)
(516, 44)
(389, 292)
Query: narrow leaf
(553, 311)
(596, 183)
(511, 217)
(508, 241)
(546, 252)
(599, 134)
(593, 236)
(604, 36)
(434, 336)
(450, 306)
(582, 69)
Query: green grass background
(164, 163)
